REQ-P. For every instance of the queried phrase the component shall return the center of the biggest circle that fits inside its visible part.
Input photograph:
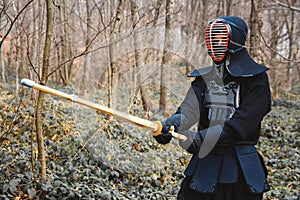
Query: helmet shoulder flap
(201, 71)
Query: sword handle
(177, 135)
(171, 131)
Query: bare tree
(113, 68)
(227, 5)
(40, 98)
(62, 44)
(165, 69)
(138, 61)
(17, 46)
(223, 8)
(291, 23)
(67, 68)
(275, 32)
(3, 73)
(87, 60)
(255, 27)
(194, 30)
(9, 22)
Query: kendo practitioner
(228, 101)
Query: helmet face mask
(217, 38)
(225, 38)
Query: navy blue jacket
(225, 162)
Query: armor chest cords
(220, 102)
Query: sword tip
(27, 82)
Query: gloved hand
(207, 138)
(166, 137)
(193, 142)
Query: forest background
(133, 56)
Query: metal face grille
(217, 40)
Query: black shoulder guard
(201, 71)
(242, 65)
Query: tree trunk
(292, 31)
(3, 68)
(166, 59)
(188, 29)
(227, 6)
(273, 17)
(67, 43)
(134, 19)
(17, 47)
(87, 63)
(40, 99)
(138, 63)
(255, 27)
(61, 47)
(113, 68)
(17, 63)
(110, 65)
(196, 22)
(152, 56)
(3, 72)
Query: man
(228, 101)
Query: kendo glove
(165, 137)
(207, 138)
(193, 142)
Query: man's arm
(185, 117)
(255, 104)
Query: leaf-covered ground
(92, 157)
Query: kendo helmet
(224, 36)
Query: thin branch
(16, 116)
(276, 52)
(287, 6)
(86, 51)
(13, 21)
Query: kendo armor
(220, 101)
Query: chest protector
(220, 102)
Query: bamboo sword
(154, 126)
